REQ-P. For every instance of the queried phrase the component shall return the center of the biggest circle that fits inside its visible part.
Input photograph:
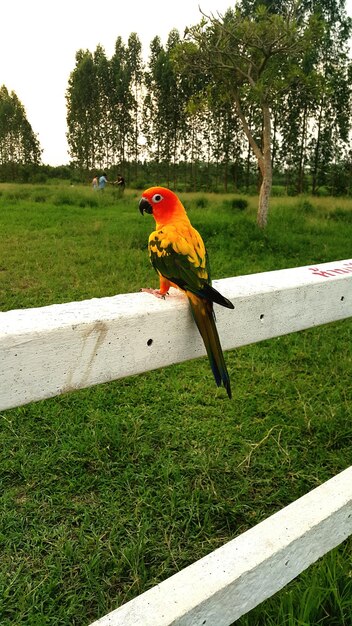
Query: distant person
(95, 182)
(120, 182)
(102, 182)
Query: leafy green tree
(254, 60)
(226, 138)
(297, 110)
(151, 119)
(103, 134)
(316, 114)
(332, 122)
(121, 102)
(101, 110)
(18, 143)
(165, 104)
(83, 112)
(265, 88)
(135, 71)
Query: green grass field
(109, 490)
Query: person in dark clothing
(120, 182)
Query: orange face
(162, 203)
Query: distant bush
(140, 183)
(278, 190)
(252, 190)
(65, 198)
(195, 203)
(304, 206)
(39, 197)
(322, 192)
(39, 177)
(341, 215)
(238, 204)
(17, 194)
(201, 202)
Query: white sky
(39, 40)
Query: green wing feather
(191, 271)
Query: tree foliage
(18, 143)
(255, 54)
(262, 91)
(103, 106)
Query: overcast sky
(39, 40)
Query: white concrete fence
(48, 351)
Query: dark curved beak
(145, 206)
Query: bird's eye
(157, 197)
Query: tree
(83, 111)
(99, 104)
(165, 106)
(315, 115)
(333, 112)
(121, 102)
(18, 143)
(226, 143)
(255, 60)
(135, 69)
(151, 118)
(103, 132)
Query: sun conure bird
(178, 254)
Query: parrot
(178, 254)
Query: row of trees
(265, 87)
(263, 90)
(281, 66)
(103, 102)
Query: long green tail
(204, 317)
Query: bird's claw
(155, 292)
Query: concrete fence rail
(51, 350)
(232, 580)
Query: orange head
(163, 204)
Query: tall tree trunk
(174, 151)
(248, 164)
(226, 173)
(266, 170)
(302, 152)
(264, 196)
(263, 157)
(275, 142)
(317, 152)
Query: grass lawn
(109, 490)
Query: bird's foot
(155, 292)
